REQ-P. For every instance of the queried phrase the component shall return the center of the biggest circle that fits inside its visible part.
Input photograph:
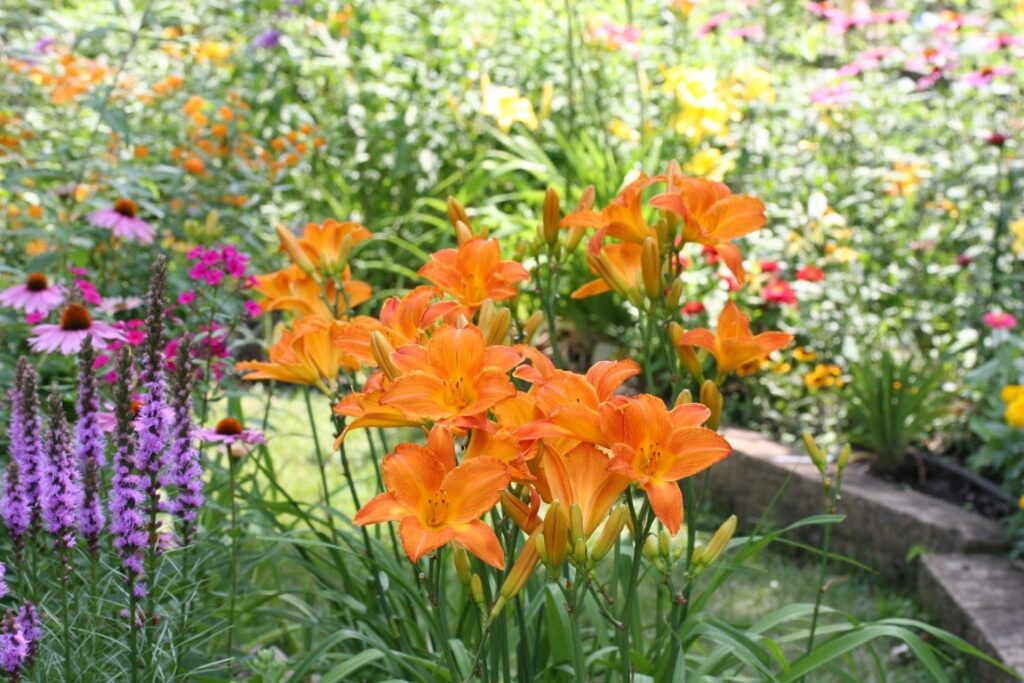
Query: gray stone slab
(884, 522)
(981, 598)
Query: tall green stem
(234, 555)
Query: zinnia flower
(68, 335)
(123, 221)
(36, 295)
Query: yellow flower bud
(556, 534)
(476, 588)
(580, 553)
(457, 213)
(290, 245)
(610, 534)
(519, 512)
(712, 398)
(575, 524)
(381, 349)
(531, 326)
(675, 294)
(520, 572)
(650, 548)
(817, 456)
(685, 396)
(663, 543)
(719, 541)
(552, 216)
(494, 322)
(687, 356)
(844, 457)
(575, 237)
(461, 558)
(462, 233)
(650, 262)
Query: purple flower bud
(61, 485)
(90, 448)
(183, 472)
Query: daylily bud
(381, 349)
(496, 326)
(675, 294)
(541, 546)
(575, 237)
(718, 542)
(610, 534)
(457, 213)
(663, 543)
(462, 233)
(476, 588)
(519, 574)
(685, 396)
(462, 565)
(522, 250)
(556, 534)
(524, 516)
(817, 456)
(671, 226)
(679, 544)
(712, 398)
(661, 230)
(290, 245)
(650, 262)
(844, 457)
(532, 323)
(575, 524)
(650, 548)
(687, 356)
(344, 251)
(580, 553)
(552, 216)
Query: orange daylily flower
(474, 273)
(571, 402)
(623, 218)
(582, 477)
(291, 289)
(307, 354)
(328, 244)
(366, 408)
(436, 501)
(656, 447)
(404, 319)
(712, 215)
(732, 344)
(455, 377)
(618, 266)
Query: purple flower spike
(90, 448)
(61, 484)
(183, 472)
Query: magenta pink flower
(998, 320)
(36, 295)
(615, 36)
(832, 95)
(747, 32)
(1005, 41)
(67, 336)
(123, 221)
(229, 431)
(713, 24)
(986, 75)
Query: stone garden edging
(962, 575)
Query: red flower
(810, 274)
(770, 266)
(779, 292)
(693, 308)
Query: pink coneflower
(986, 75)
(712, 24)
(747, 32)
(230, 432)
(1005, 41)
(67, 336)
(124, 222)
(998, 320)
(36, 295)
(832, 95)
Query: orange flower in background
(655, 448)
(436, 501)
(474, 272)
(291, 289)
(619, 268)
(324, 247)
(712, 215)
(404, 319)
(455, 377)
(307, 354)
(622, 219)
(732, 344)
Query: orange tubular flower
(582, 476)
(619, 267)
(656, 447)
(622, 219)
(712, 215)
(732, 344)
(474, 273)
(307, 354)
(436, 501)
(455, 377)
(328, 244)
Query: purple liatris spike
(61, 485)
(183, 473)
(19, 639)
(151, 423)
(15, 508)
(127, 492)
(3, 584)
(22, 495)
(90, 447)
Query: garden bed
(887, 527)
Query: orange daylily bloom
(732, 344)
(328, 244)
(474, 273)
(291, 289)
(619, 267)
(622, 219)
(712, 215)
(501, 445)
(366, 409)
(455, 377)
(404, 319)
(655, 448)
(570, 402)
(582, 477)
(307, 354)
(436, 501)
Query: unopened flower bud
(556, 534)
(675, 294)
(476, 588)
(462, 233)
(712, 398)
(650, 262)
(687, 356)
(580, 553)
(461, 558)
(524, 516)
(663, 543)
(719, 541)
(844, 457)
(661, 230)
(457, 213)
(685, 397)
(575, 524)
(817, 456)
(520, 572)
(381, 350)
(212, 218)
(531, 326)
(494, 323)
(344, 251)
(290, 245)
(552, 216)
(650, 548)
(610, 534)
(575, 237)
